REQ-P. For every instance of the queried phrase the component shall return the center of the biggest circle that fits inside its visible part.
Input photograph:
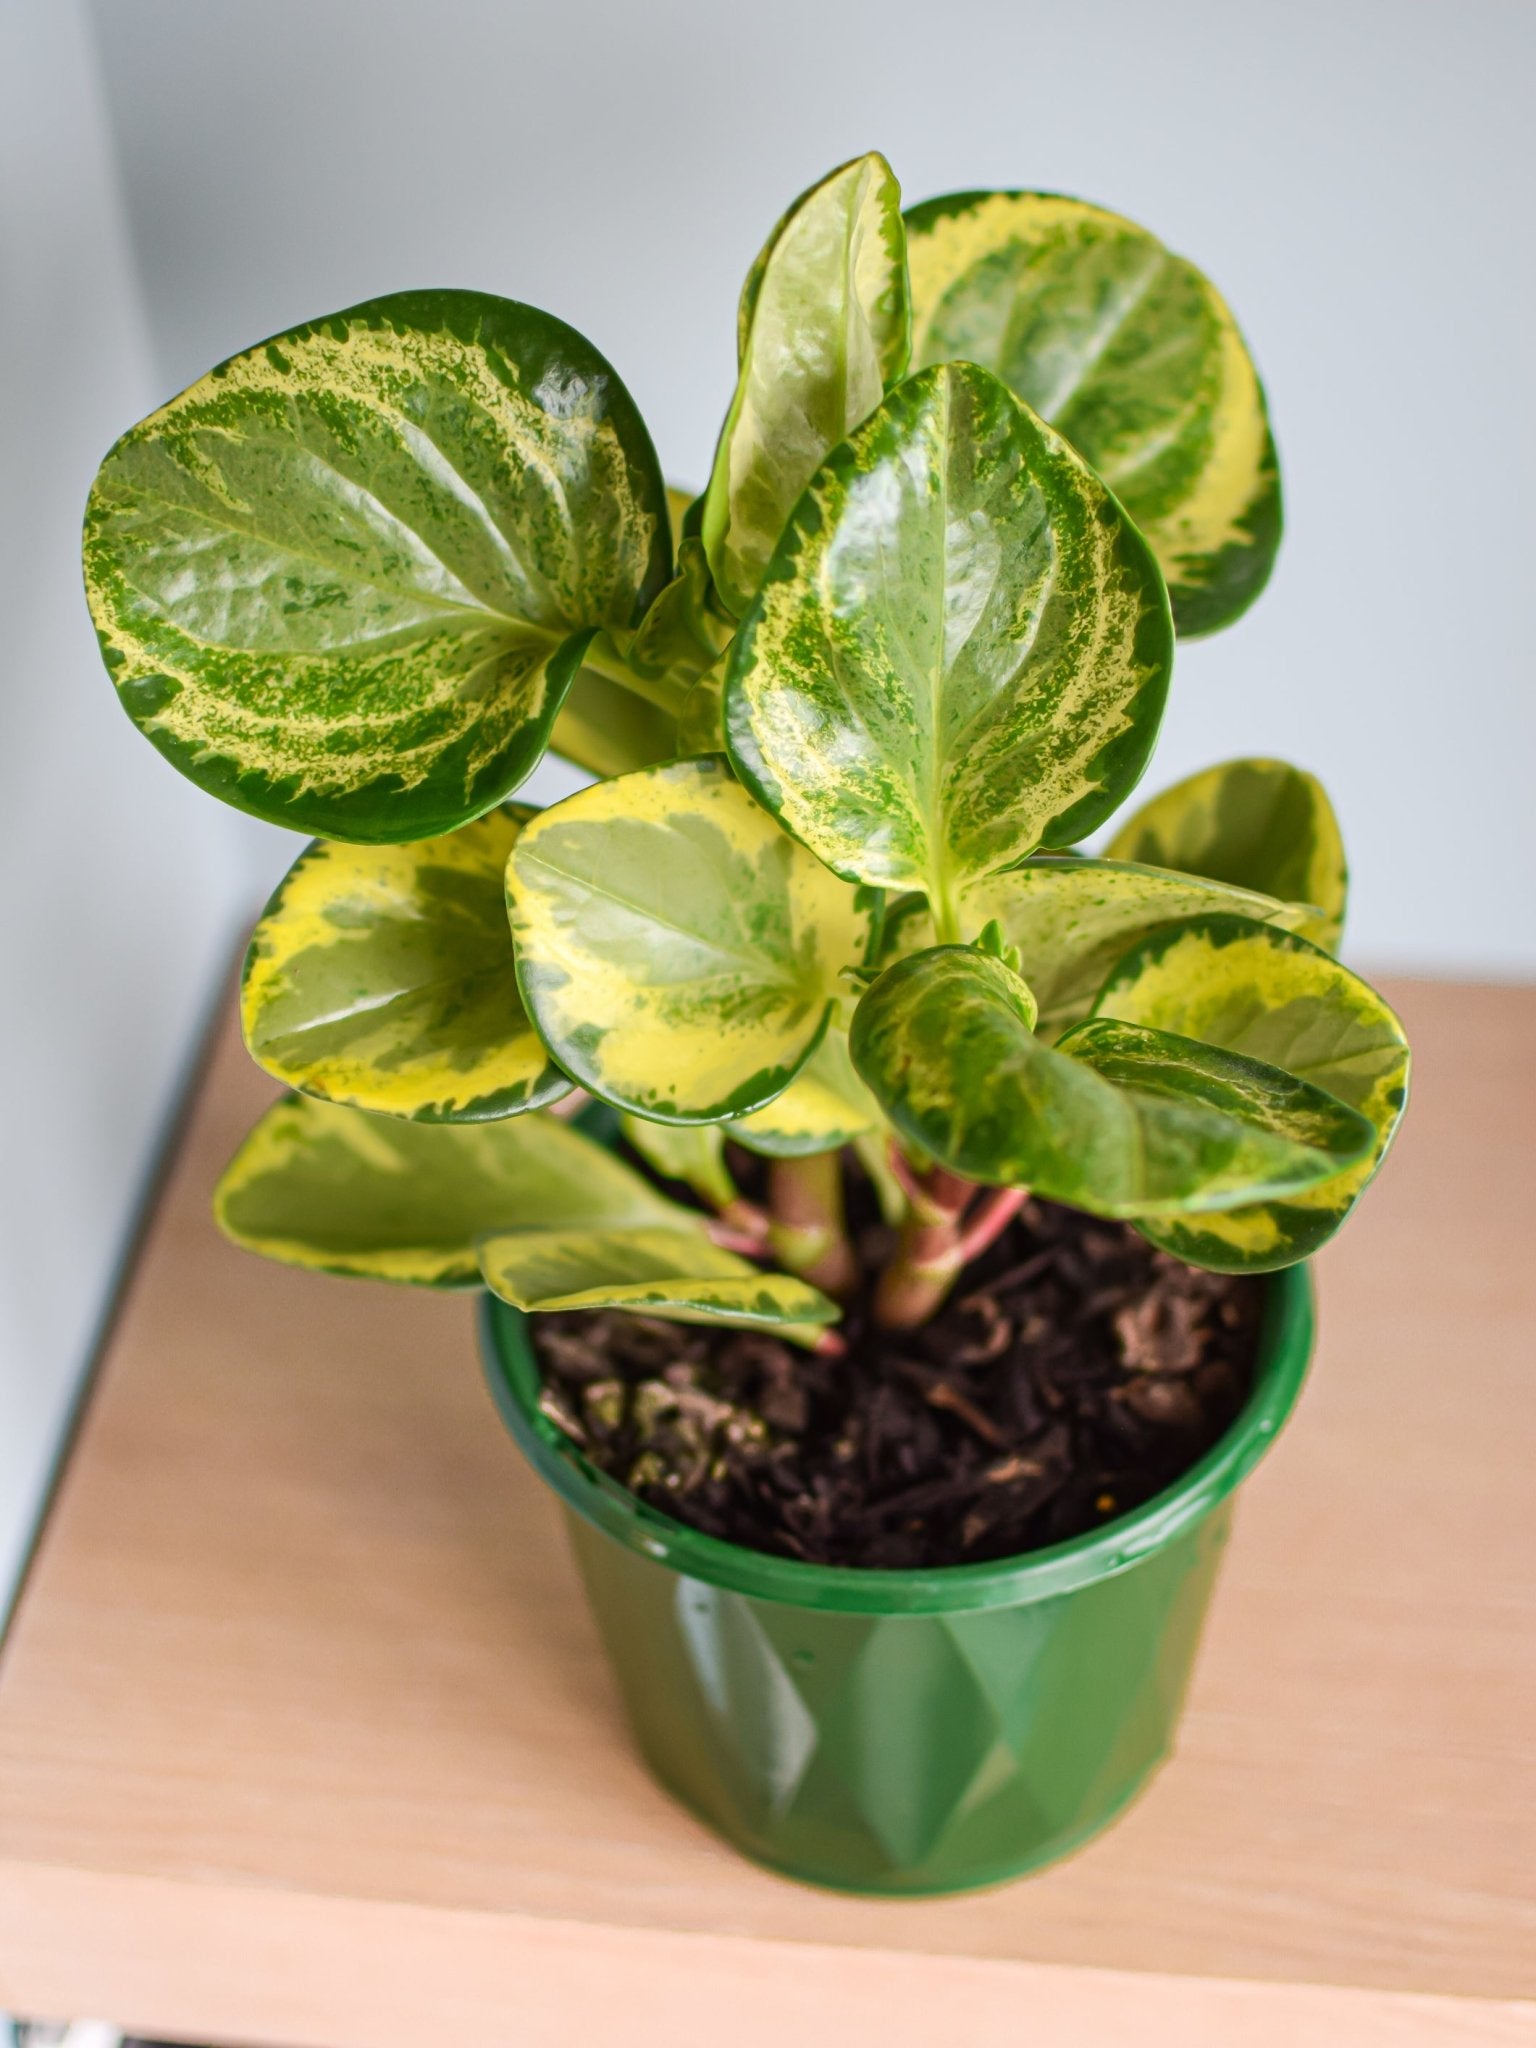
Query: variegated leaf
(680, 502)
(678, 953)
(961, 650)
(826, 1106)
(1269, 995)
(653, 1270)
(1117, 1121)
(824, 329)
(701, 724)
(691, 1153)
(1258, 824)
(680, 636)
(383, 976)
(1132, 354)
(1072, 919)
(316, 1184)
(345, 580)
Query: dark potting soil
(1074, 1373)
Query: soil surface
(1074, 1373)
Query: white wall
(120, 881)
(1356, 175)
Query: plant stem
(938, 1241)
(747, 1220)
(604, 659)
(807, 1232)
(749, 1244)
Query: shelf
(305, 1738)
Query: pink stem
(744, 1216)
(988, 1220)
(749, 1244)
(938, 1196)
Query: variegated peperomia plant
(908, 649)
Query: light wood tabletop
(305, 1737)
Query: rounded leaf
(1072, 919)
(1132, 354)
(345, 580)
(961, 650)
(1256, 824)
(1119, 1122)
(825, 1107)
(676, 1273)
(384, 977)
(316, 1184)
(1269, 995)
(678, 953)
(823, 328)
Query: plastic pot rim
(1285, 1349)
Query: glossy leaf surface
(701, 723)
(679, 953)
(316, 1184)
(680, 636)
(824, 328)
(1119, 1121)
(1132, 354)
(383, 976)
(1072, 919)
(345, 580)
(656, 1270)
(1259, 824)
(824, 1107)
(961, 650)
(1269, 995)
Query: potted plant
(892, 1217)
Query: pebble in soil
(1074, 1373)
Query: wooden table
(304, 1735)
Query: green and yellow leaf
(384, 977)
(654, 1270)
(1256, 824)
(680, 502)
(1072, 919)
(824, 326)
(346, 579)
(1272, 996)
(1121, 1122)
(824, 1107)
(678, 953)
(701, 723)
(680, 636)
(961, 650)
(1131, 354)
(320, 1185)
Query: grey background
(182, 177)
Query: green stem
(807, 1232)
(604, 659)
(946, 918)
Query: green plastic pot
(905, 1732)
